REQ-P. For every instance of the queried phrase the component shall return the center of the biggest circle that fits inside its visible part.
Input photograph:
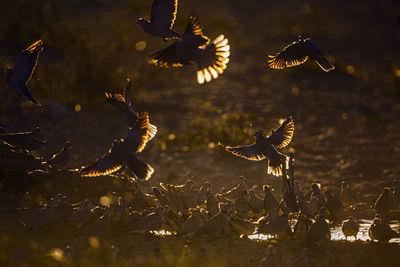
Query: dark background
(347, 120)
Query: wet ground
(346, 121)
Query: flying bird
(123, 104)
(265, 148)
(211, 58)
(123, 153)
(23, 69)
(162, 18)
(297, 53)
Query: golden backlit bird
(299, 52)
(265, 148)
(211, 58)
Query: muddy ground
(347, 120)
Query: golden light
(57, 254)
(295, 90)
(397, 73)
(94, 242)
(344, 116)
(141, 45)
(211, 145)
(105, 201)
(171, 136)
(77, 108)
(350, 69)
(185, 148)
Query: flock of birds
(188, 211)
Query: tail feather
(324, 63)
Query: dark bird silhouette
(123, 153)
(162, 19)
(297, 53)
(123, 104)
(385, 202)
(319, 231)
(211, 58)
(22, 73)
(23, 140)
(265, 148)
(350, 227)
(381, 231)
(61, 159)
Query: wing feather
(282, 136)
(292, 55)
(171, 56)
(106, 165)
(27, 62)
(250, 152)
(163, 13)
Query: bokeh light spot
(57, 254)
(344, 116)
(350, 69)
(171, 136)
(295, 90)
(140, 46)
(211, 145)
(397, 73)
(105, 201)
(185, 148)
(94, 242)
(77, 108)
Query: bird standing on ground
(297, 53)
(381, 231)
(22, 73)
(350, 227)
(162, 19)
(319, 231)
(23, 140)
(385, 203)
(60, 159)
(195, 48)
(265, 148)
(348, 196)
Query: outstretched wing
(140, 170)
(193, 35)
(251, 152)
(292, 55)
(212, 60)
(163, 13)
(282, 136)
(27, 62)
(107, 164)
(138, 137)
(118, 102)
(174, 55)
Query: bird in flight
(123, 104)
(265, 147)
(18, 77)
(299, 52)
(211, 58)
(123, 153)
(162, 18)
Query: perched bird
(211, 58)
(348, 196)
(22, 73)
(23, 140)
(316, 192)
(270, 259)
(276, 226)
(350, 227)
(301, 227)
(309, 208)
(334, 206)
(319, 231)
(218, 223)
(152, 221)
(60, 159)
(123, 104)
(193, 222)
(265, 148)
(381, 231)
(385, 202)
(297, 53)
(162, 18)
(270, 201)
(302, 260)
(242, 205)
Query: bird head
(67, 145)
(386, 190)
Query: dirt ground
(346, 121)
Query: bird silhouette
(23, 69)
(297, 53)
(123, 153)
(381, 231)
(23, 140)
(60, 159)
(211, 58)
(350, 227)
(265, 148)
(162, 19)
(123, 104)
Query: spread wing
(292, 55)
(174, 55)
(212, 60)
(282, 136)
(107, 164)
(140, 170)
(251, 152)
(163, 13)
(193, 35)
(138, 137)
(27, 62)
